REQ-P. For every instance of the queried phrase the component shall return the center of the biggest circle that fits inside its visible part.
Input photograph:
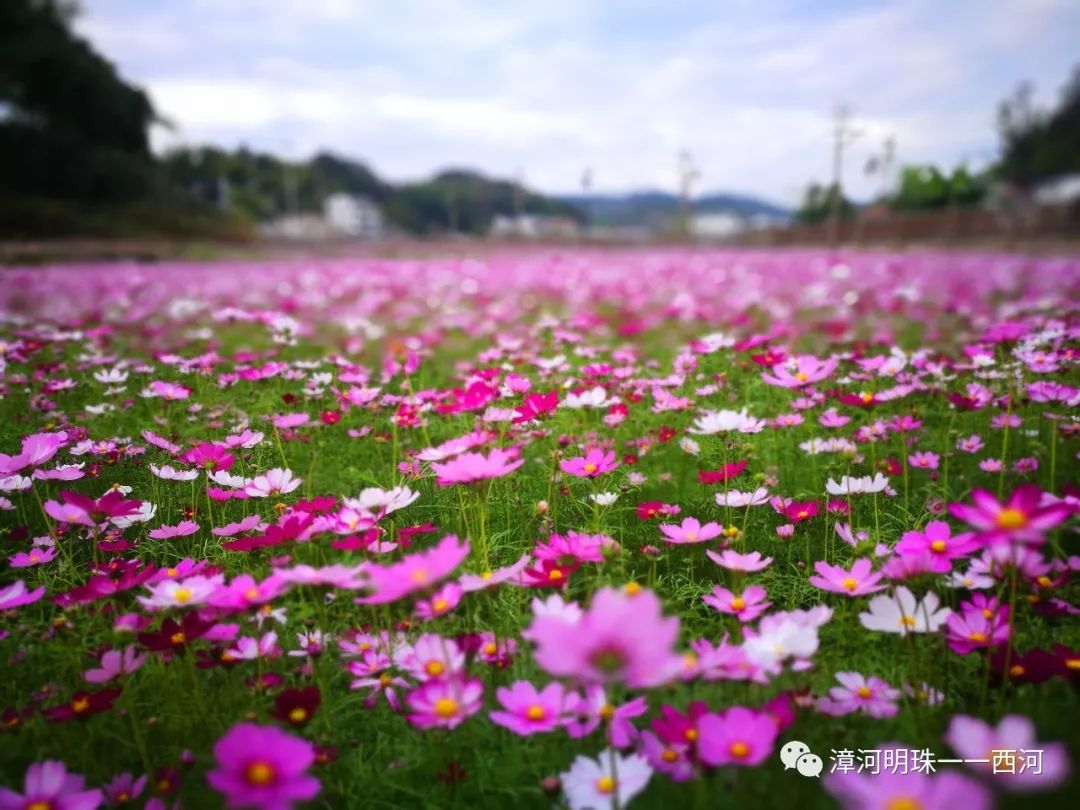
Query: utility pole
(688, 175)
(843, 134)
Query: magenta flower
(115, 663)
(691, 531)
(210, 457)
(48, 786)
(924, 460)
(936, 541)
(735, 561)
(244, 592)
(857, 693)
(37, 449)
(911, 790)
(15, 595)
(585, 712)
(855, 582)
(1021, 518)
(745, 606)
(414, 572)
(968, 630)
(444, 702)
(528, 710)
(470, 467)
(443, 601)
(38, 555)
(168, 390)
(738, 736)
(595, 462)
(621, 637)
(263, 767)
(184, 528)
(796, 372)
(973, 739)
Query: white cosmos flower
(224, 479)
(169, 474)
(688, 445)
(592, 784)
(146, 511)
(713, 422)
(593, 398)
(902, 613)
(604, 498)
(857, 486)
(740, 499)
(381, 502)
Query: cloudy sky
(548, 87)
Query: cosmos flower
(973, 739)
(527, 710)
(857, 581)
(263, 767)
(903, 613)
(857, 486)
(620, 638)
(745, 606)
(858, 693)
(591, 784)
(1022, 518)
(272, 483)
(16, 595)
(737, 736)
(414, 571)
(469, 467)
(904, 790)
(936, 541)
(48, 785)
(444, 702)
(691, 531)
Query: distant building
(723, 224)
(1062, 190)
(343, 216)
(532, 226)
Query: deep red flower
(83, 705)
(297, 706)
(724, 474)
(174, 635)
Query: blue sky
(548, 87)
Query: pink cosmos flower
(735, 561)
(38, 555)
(469, 467)
(883, 790)
(263, 767)
(184, 528)
(621, 637)
(124, 788)
(169, 391)
(936, 540)
(15, 595)
(528, 710)
(594, 463)
(431, 656)
(443, 601)
(796, 372)
(968, 630)
(924, 460)
(573, 546)
(691, 531)
(414, 572)
(252, 523)
(972, 444)
(1022, 518)
(745, 606)
(115, 663)
(855, 582)
(37, 449)
(585, 712)
(244, 592)
(48, 785)
(489, 579)
(857, 693)
(974, 739)
(832, 419)
(210, 457)
(272, 483)
(738, 736)
(445, 702)
(674, 759)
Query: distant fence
(951, 226)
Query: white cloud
(550, 86)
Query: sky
(542, 89)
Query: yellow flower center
(251, 593)
(739, 750)
(535, 712)
(491, 648)
(590, 468)
(605, 784)
(802, 376)
(1016, 670)
(738, 603)
(298, 715)
(555, 573)
(903, 803)
(385, 680)
(907, 620)
(669, 755)
(607, 711)
(172, 572)
(864, 692)
(39, 806)
(978, 636)
(1072, 663)
(446, 708)
(177, 638)
(80, 705)
(866, 396)
(439, 605)
(486, 575)
(691, 536)
(434, 668)
(850, 583)
(1045, 581)
(802, 514)
(938, 545)
(419, 575)
(1011, 519)
(690, 734)
(260, 773)
(182, 596)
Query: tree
(1040, 144)
(817, 205)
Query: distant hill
(655, 209)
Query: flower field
(589, 529)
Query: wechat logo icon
(798, 755)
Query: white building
(352, 215)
